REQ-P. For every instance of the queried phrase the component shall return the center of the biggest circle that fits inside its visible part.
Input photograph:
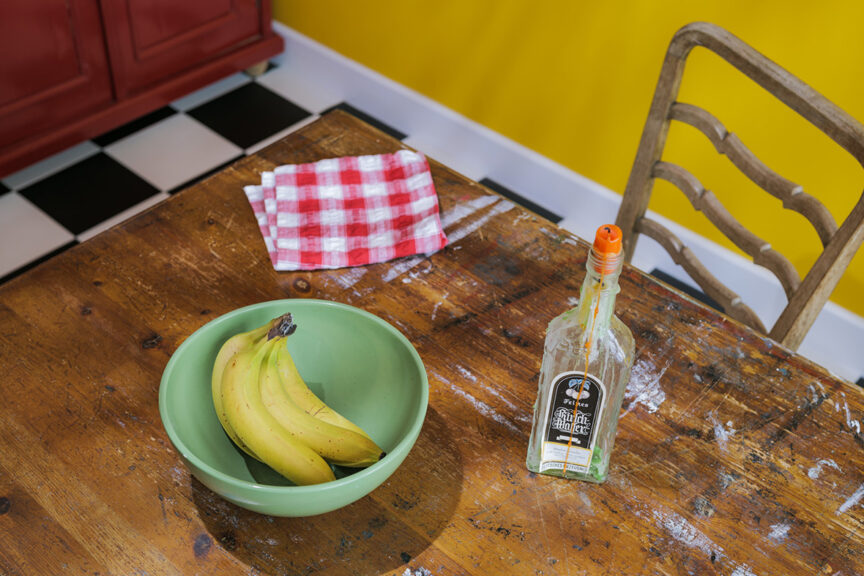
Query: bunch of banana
(269, 412)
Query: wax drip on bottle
(604, 258)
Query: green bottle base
(598, 469)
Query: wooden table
(734, 456)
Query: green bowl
(357, 363)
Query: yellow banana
(303, 397)
(228, 350)
(256, 427)
(335, 444)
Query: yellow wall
(573, 81)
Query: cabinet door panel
(161, 21)
(151, 40)
(53, 66)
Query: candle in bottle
(586, 364)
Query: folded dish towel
(348, 211)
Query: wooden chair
(805, 298)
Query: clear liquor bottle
(586, 364)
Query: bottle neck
(597, 297)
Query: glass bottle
(575, 418)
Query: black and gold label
(572, 419)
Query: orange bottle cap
(608, 239)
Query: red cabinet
(149, 39)
(53, 66)
(73, 69)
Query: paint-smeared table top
(733, 456)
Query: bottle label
(571, 422)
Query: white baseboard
(319, 77)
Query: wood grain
(734, 455)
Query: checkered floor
(54, 204)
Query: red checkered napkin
(348, 211)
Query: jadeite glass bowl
(357, 363)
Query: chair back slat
(682, 255)
(796, 319)
(730, 145)
(705, 201)
(813, 106)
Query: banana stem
(282, 326)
